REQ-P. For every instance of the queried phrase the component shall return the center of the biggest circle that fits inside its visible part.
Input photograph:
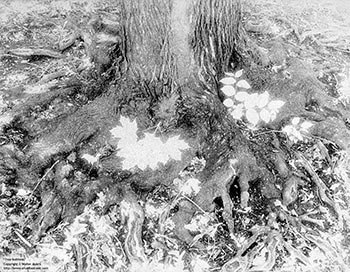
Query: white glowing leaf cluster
(126, 131)
(297, 129)
(147, 152)
(254, 107)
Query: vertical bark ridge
(147, 26)
(216, 37)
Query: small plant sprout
(91, 159)
(101, 200)
(191, 187)
(296, 129)
(254, 107)
(147, 152)
(23, 192)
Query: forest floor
(317, 30)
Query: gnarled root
(133, 217)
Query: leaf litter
(149, 151)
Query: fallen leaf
(263, 100)
(275, 104)
(228, 90)
(293, 134)
(191, 187)
(237, 113)
(273, 115)
(252, 116)
(243, 84)
(228, 81)
(176, 142)
(228, 102)
(265, 115)
(288, 129)
(229, 74)
(295, 121)
(22, 192)
(126, 131)
(239, 73)
(241, 96)
(91, 159)
(251, 101)
(148, 151)
(305, 126)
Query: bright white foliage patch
(254, 106)
(91, 159)
(228, 81)
(191, 186)
(228, 103)
(243, 84)
(147, 152)
(296, 129)
(228, 90)
(238, 74)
